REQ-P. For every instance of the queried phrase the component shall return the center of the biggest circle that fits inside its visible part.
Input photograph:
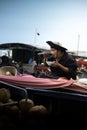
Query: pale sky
(64, 21)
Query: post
(78, 44)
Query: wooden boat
(63, 105)
(65, 100)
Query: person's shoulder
(69, 56)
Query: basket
(8, 70)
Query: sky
(64, 21)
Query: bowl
(49, 62)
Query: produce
(4, 95)
(38, 110)
(26, 104)
(14, 109)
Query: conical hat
(8, 70)
(56, 45)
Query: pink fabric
(31, 81)
(78, 87)
(44, 83)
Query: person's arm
(57, 64)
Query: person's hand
(55, 64)
(49, 70)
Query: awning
(11, 46)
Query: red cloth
(44, 83)
(31, 81)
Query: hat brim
(53, 45)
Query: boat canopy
(11, 46)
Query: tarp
(30, 81)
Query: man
(64, 64)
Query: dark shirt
(67, 61)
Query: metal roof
(11, 46)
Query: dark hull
(65, 109)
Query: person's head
(5, 59)
(57, 50)
(56, 53)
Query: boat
(65, 100)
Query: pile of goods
(25, 106)
(6, 102)
(20, 113)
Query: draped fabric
(29, 81)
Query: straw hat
(8, 70)
(56, 45)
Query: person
(19, 67)
(5, 61)
(63, 65)
(30, 61)
(44, 57)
